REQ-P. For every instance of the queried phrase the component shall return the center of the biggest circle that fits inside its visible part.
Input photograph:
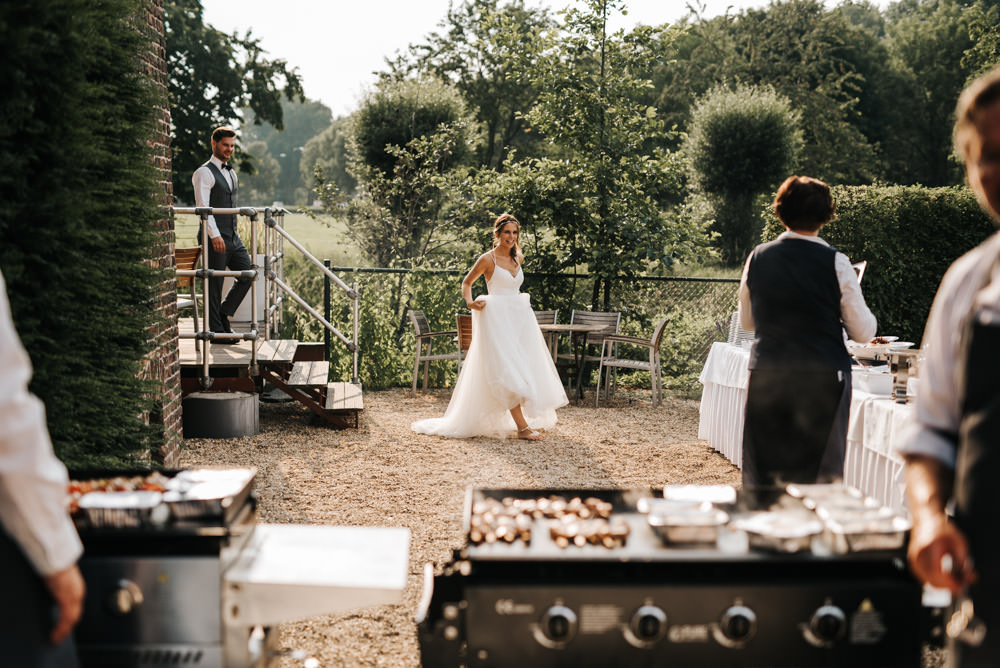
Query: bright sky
(337, 44)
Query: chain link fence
(699, 309)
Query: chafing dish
(784, 531)
(861, 534)
(123, 509)
(692, 526)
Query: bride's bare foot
(529, 434)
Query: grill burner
(648, 602)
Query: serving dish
(780, 531)
(700, 526)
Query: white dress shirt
(33, 483)
(935, 431)
(203, 181)
(854, 312)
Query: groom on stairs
(215, 185)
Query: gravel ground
(383, 474)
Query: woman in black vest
(798, 294)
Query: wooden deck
(231, 355)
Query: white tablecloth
(872, 463)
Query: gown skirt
(508, 364)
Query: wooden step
(305, 374)
(344, 397)
(277, 351)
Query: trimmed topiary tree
(740, 143)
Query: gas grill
(636, 595)
(197, 581)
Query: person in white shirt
(41, 588)
(952, 449)
(216, 185)
(798, 294)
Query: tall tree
(328, 152)
(603, 137)
(212, 76)
(481, 45)
(927, 41)
(302, 121)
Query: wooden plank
(344, 397)
(266, 351)
(286, 351)
(306, 374)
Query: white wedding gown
(507, 364)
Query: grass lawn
(324, 236)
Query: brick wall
(162, 363)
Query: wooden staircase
(293, 367)
(305, 380)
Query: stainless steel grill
(206, 584)
(646, 601)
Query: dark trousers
(796, 427)
(237, 258)
(27, 613)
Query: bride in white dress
(508, 379)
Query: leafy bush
(909, 235)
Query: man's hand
(939, 553)
(218, 245)
(67, 588)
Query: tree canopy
(212, 77)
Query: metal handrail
(274, 238)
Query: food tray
(208, 493)
(123, 510)
(780, 531)
(700, 526)
(868, 534)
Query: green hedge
(77, 183)
(909, 236)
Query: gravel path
(383, 474)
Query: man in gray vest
(215, 185)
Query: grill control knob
(737, 626)
(556, 627)
(828, 624)
(648, 625)
(126, 598)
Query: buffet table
(872, 463)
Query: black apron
(27, 614)
(977, 471)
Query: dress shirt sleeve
(203, 180)
(746, 312)
(858, 318)
(33, 482)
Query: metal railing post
(206, 377)
(326, 311)
(357, 299)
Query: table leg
(581, 353)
